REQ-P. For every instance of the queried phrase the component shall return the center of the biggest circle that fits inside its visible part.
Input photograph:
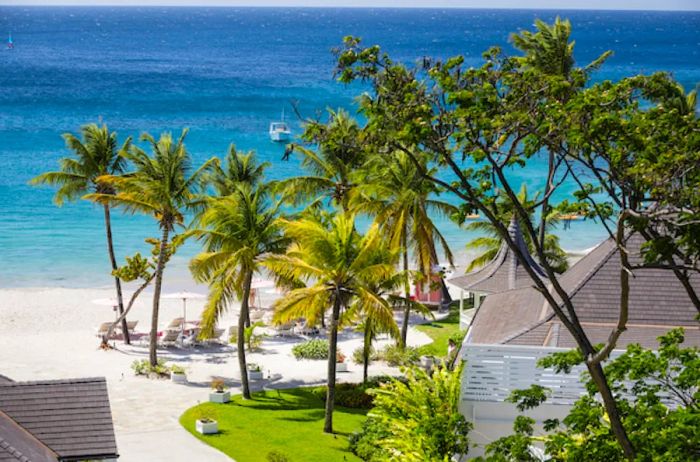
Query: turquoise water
(226, 73)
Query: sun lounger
(285, 330)
(176, 323)
(131, 325)
(256, 315)
(170, 337)
(104, 329)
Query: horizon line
(327, 7)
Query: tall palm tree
(238, 168)
(340, 153)
(403, 204)
(490, 241)
(237, 230)
(97, 154)
(162, 187)
(337, 263)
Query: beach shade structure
(184, 296)
(111, 301)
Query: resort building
(514, 327)
(56, 421)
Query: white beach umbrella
(261, 284)
(184, 296)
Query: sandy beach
(49, 333)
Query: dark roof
(72, 417)
(504, 272)
(17, 444)
(5, 379)
(658, 302)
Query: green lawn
(440, 332)
(288, 421)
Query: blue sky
(538, 4)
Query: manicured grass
(287, 421)
(440, 332)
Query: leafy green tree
(162, 187)
(418, 419)
(404, 204)
(238, 168)
(658, 393)
(97, 154)
(337, 263)
(490, 240)
(340, 152)
(238, 231)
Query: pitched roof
(72, 417)
(658, 302)
(504, 272)
(17, 444)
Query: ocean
(226, 73)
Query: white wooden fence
(492, 372)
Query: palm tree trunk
(243, 317)
(332, 353)
(366, 349)
(545, 202)
(407, 288)
(160, 267)
(117, 281)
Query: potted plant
(219, 395)
(254, 371)
(340, 364)
(427, 362)
(177, 374)
(206, 423)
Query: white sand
(50, 334)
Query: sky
(534, 4)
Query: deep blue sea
(225, 74)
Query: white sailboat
(279, 131)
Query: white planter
(341, 367)
(178, 378)
(219, 397)
(427, 362)
(255, 375)
(207, 428)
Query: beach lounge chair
(104, 328)
(216, 337)
(170, 337)
(176, 323)
(131, 325)
(286, 329)
(256, 315)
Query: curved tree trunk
(407, 288)
(240, 342)
(160, 267)
(130, 305)
(332, 353)
(117, 281)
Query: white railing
(492, 372)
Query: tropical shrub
(359, 351)
(397, 356)
(143, 367)
(311, 349)
(416, 419)
(353, 395)
(644, 382)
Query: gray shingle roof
(72, 417)
(17, 444)
(502, 273)
(658, 303)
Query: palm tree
(95, 155)
(340, 153)
(239, 168)
(491, 240)
(237, 230)
(403, 204)
(159, 187)
(337, 263)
